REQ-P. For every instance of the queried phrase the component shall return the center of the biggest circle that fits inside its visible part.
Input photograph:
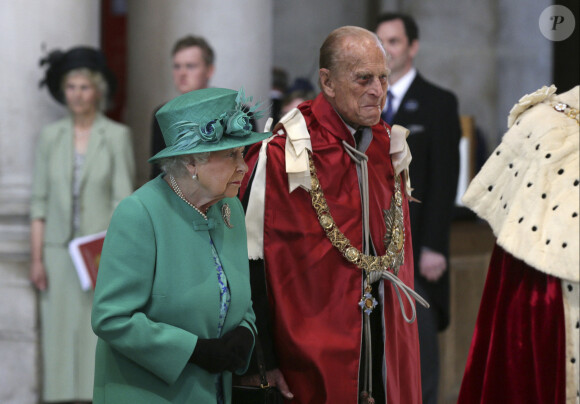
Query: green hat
(207, 120)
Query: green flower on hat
(208, 120)
(235, 122)
(190, 134)
(238, 124)
(212, 131)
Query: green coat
(107, 177)
(157, 293)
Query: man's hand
(275, 378)
(432, 264)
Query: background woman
(84, 166)
(172, 305)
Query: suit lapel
(65, 152)
(95, 146)
(62, 164)
(410, 102)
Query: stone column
(301, 27)
(239, 32)
(27, 31)
(524, 56)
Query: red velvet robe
(518, 350)
(313, 291)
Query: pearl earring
(194, 176)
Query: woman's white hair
(176, 165)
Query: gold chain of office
(394, 239)
(567, 110)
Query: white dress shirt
(399, 89)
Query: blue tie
(388, 114)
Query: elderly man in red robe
(328, 213)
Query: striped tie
(388, 114)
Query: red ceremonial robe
(518, 348)
(313, 291)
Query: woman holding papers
(84, 166)
(172, 306)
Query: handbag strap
(260, 359)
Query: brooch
(226, 215)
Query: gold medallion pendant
(368, 302)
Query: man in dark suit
(430, 113)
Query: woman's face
(81, 95)
(221, 176)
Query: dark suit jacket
(430, 113)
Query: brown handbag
(262, 394)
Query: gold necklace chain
(567, 110)
(394, 239)
(177, 190)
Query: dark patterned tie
(358, 137)
(388, 114)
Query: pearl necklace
(177, 190)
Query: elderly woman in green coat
(172, 305)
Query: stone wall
(27, 31)
(489, 53)
(239, 33)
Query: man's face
(392, 34)
(190, 72)
(357, 87)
